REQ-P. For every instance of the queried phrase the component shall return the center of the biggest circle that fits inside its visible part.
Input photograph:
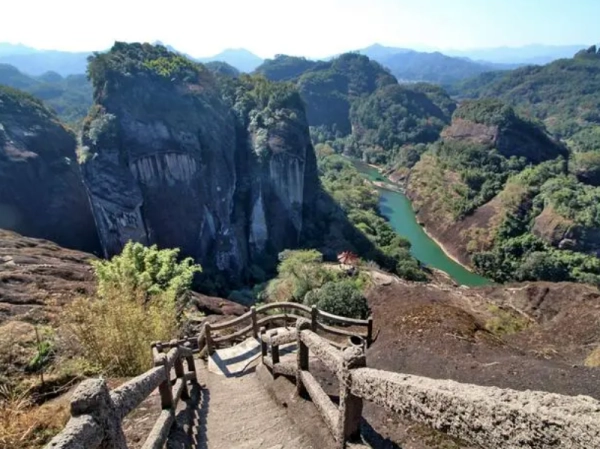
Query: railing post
(179, 371)
(190, 363)
(314, 315)
(369, 331)
(301, 356)
(350, 405)
(263, 343)
(166, 394)
(254, 322)
(93, 398)
(209, 341)
(274, 350)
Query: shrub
(505, 322)
(340, 298)
(135, 305)
(116, 328)
(141, 269)
(300, 271)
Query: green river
(396, 208)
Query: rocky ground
(528, 336)
(37, 279)
(534, 336)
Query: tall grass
(115, 329)
(24, 425)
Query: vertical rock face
(176, 157)
(41, 191)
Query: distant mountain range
(528, 54)
(406, 64)
(36, 62)
(414, 66)
(240, 58)
(69, 96)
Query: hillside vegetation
(564, 94)
(466, 168)
(69, 96)
(356, 105)
(504, 188)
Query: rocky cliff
(41, 191)
(492, 124)
(221, 168)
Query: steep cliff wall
(177, 157)
(41, 191)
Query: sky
(313, 28)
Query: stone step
(241, 415)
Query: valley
(397, 209)
(160, 196)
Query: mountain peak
(240, 58)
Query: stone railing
(97, 413)
(257, 317)
(491, 417)
(343, 420)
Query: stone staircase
(236, 413)
(228, 404)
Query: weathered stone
(491, 417)
(41, 190)
(322, 349)
(131, 394)
(82, 432)
(180, 169)
(95, 421)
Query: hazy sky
(308, 27)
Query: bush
(505, 322)
(115, 329)
(300, 271)
(147, 270)
(340, 298)
(135, 305)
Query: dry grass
(25, 425)
(506, 322)
(593, 360)
(115, 330)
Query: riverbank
(396, 207)
(387, 186)
(445, 250)
(395, 187)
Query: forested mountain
(391, 118)
(510, 187)
(405, 64)
(284, 67)
(357, 105)
(329, 89)
(527, 54)
(564, 94)
(222, 68)
(505, 196)
(69, 96)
